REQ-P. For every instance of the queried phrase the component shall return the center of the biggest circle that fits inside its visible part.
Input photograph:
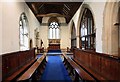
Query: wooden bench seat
(30, 74)
(92, 73)
(14, 76)
(79, 72)
(99, 65)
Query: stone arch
(110, 29)
(53, 19)
(73, 35)
(82, 8)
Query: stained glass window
(54, 31)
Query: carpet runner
(55, 70)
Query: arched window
(54, 31)
(23, 33)
(87, 31)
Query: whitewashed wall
(10, 24)
(97, 9)
(64, 33)
(64, 37)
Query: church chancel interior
(60, 41)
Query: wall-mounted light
(117, 24)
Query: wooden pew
(15, 63)
(15, 75)
(92, 73)
(34, 72)
(101, 66)
(79, 72)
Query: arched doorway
(73, 36)
(87, 31)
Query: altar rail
(102, 64)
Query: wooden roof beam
(34, 8)
(66, 7)
(50, 15)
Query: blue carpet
(55, 70)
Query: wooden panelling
(11, 62)
(79, 72)
(95, 62)
(86, 59)
(109, 67)
(103, 64)
(119, 70)
(34, 71)
(54, 47)
(114, 65)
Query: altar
(54, 44)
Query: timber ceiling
(54, 9)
